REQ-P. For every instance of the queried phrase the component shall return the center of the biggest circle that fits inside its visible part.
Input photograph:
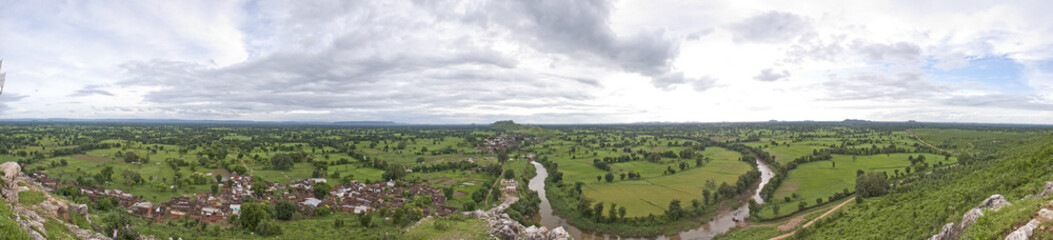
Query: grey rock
(1045, 214)
(994, 202)
(945, 233)
(1047, 190)
(1024, 232)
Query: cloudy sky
(544, 61)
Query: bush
(322, 211)
(281, 161)
(321, 189)
(252, 214)
(268, 229)
(284, 210)
(872, 184)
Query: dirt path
(816, 219)
(246, 166)
(926, 143)
(486, 202)
(791, 224)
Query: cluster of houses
(356, 198)
(498, 143)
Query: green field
(822, 180)
(652, 195)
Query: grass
(9, 228)
(652, 195)
(761, 232)
(996, 224)
(57, 230)
(822, 180)
(29, 198)
(449, 227)
(313, 228)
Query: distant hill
(366, 123)
(511, 126)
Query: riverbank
(699, 221)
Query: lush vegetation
(8, 226)
(632, 180)
(921, 205)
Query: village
(356, 197)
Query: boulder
(1047, 190)
(1024, 232)
(79, 209)
(10, 170)
(946, 233)
(559, 234)
(969, 218)
(1045, 214)
(994, 202)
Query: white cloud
(539, 61)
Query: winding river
(720, 223)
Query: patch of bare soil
(791, 224)
(91, 158)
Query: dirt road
(816, 219)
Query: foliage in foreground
(922, 205)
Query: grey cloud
(1007, 101)
(670, 80)
(579, 29)
(814, 49)
(769, 75)
(901, 52)
(881, 85)
(699, 34)
(10, 97)
(90, 90)
(704, 83)
(770, 27)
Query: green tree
(872, 184)
(252, 214)
(321, 189)
(284, 210)
(598, 210)
(281, 161)
(131, 177)
(674, 209)
(502, 157)
(131, 157)
(106, 173)
(609, 177)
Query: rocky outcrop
(32, 218)
(501, 226)
(8, 189)
(952, 231)
(1024, 232)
